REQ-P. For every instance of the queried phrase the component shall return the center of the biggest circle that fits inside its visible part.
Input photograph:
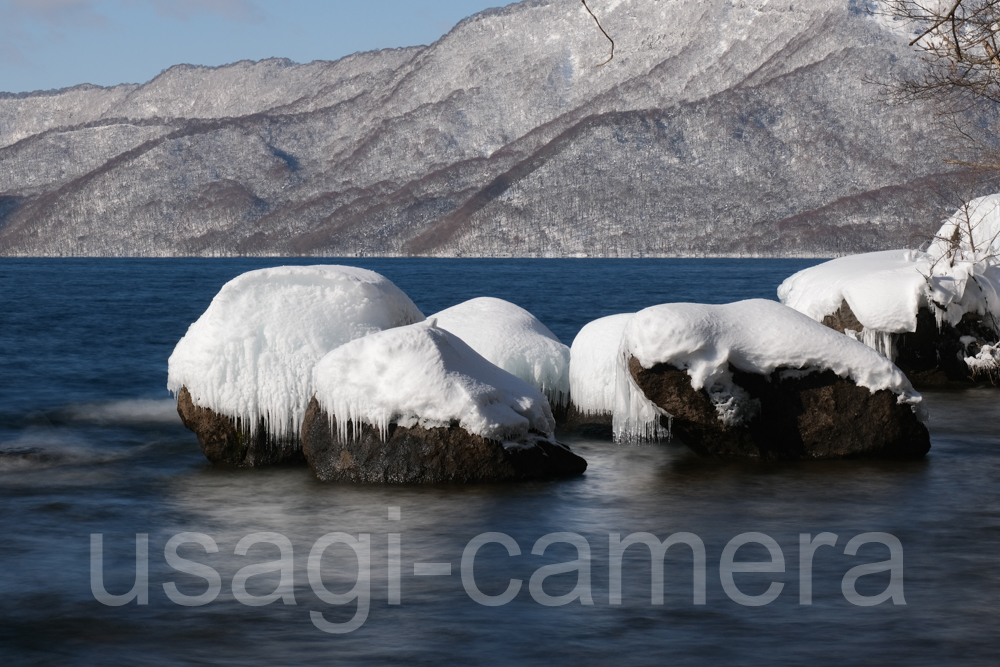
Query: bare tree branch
(950, 15)
(960, 77)
(974, 165)
(602, 30)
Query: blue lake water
(90, 443)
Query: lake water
(90, 444)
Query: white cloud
(52, 12)
(88, 13)
(20, 20)
(54, 17)
(234, 10)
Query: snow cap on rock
(958, 274)
(884, 289)
(513, 339)
(975, 227)
(424, 375)
(251, 353)
(755, 336)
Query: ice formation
(513, 339)
(424, 375)
(251, 353)
(756, 336)
(986, 362)
(593, 364)
(959, 273)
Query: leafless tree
(958, 41)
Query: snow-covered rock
(756, 379)
(417, 404)
(513, 339)
(983, 361)
(250, 356)
(423, 374)
(914, 306)
(886, 290)
(973, 231)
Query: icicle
(882, 342)
(939, 316)
(250, 354)
(636, 418)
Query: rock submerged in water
(243, 375)
(572, 420)
(224, 440)
(813, 416)
(417, 454)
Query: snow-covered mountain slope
(720, 127)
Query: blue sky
(47, 44)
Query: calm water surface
(90, 443)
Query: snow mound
(973, 230)
(513, 339)
(958, 274)
(884, 289)
(423, 374)
(251, 353)
(593, 364)
(756, 336)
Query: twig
(949, 16)
(602, 30)
(973, 165)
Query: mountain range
(719, 128)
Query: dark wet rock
(427, 455)
(843, 319)
(571, 420)
(226, 441)
(929, 356)
(818, 416)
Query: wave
(133, 411)
(35, 451)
